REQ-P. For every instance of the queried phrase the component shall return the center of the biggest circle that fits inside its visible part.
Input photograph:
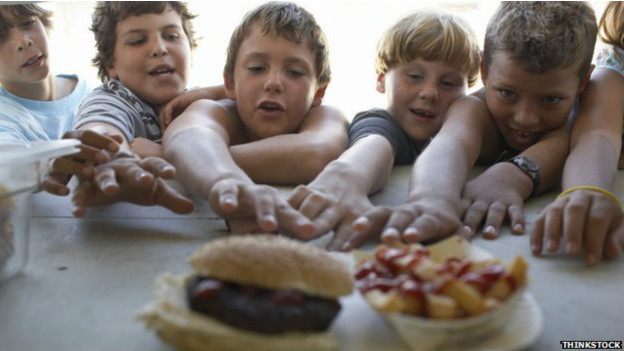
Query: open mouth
(160, 71)
(524, 137)
(270, 106)
(33, 60)
(422, 113)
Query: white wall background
(352, 27)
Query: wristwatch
(530, 168)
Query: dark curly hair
(108, 14)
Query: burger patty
(258, 309)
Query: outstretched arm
(340, 193)
(296, 158)
(204, 132)
(433, 207)
(586, 218)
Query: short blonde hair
(612, 24)
(288, 20)
(432, 36)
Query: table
(86, 278)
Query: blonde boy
(271, 131)
(536, 62)
(425, 61)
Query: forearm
(288, 159)
(201, 159)
(441, 170)
(593, 162)
(363, 168)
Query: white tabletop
(86, 278)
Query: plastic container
(21, 166)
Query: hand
(127, 178)
(581, 219)
(419, 219)
(146, 148)
(490, 197)
(235, 200)
(95, 149)
(178, 104)
(331, 210)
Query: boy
(425, 61)
(276, 72)
(536, 62)
(587, 215)
(34, 104)
(143, 57)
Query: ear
(228, 82)
(381, 83)
(585, 80)
(318, 96)
(112, 72)
(484, 71)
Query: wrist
(529, 168)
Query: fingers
(474, 215)
(537, 234)
(226, 196)
(80, 198)
(110, 143)
(53, 185)
(516, 218)
(167, 197)
(67, 166)
(158, 167)
(494, 220)
(574, 223)
(368, 225)
(106, 181)
(598, 227)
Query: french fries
(408, 280)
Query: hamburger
(252, 292)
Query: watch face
(528, 164)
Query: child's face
(24, 53)
(152, 56)
(525, 105)
(419, 93)
(274, 84)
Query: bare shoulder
(324, 115)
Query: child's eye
(551, 100)
(28, 24)
(255, 69)
(294, 73)
(136, 42)
(172, 37)
(416, 76)
(507, 94)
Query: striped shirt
(114, 104)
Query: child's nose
(429, 92)
(22, 40)
(526, 116)
(158, 49)
(274, 82)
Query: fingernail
(411, 233)
(270, 218)
(571, 247)
(468, 228)
(346, 246)
(550, 245)
(535, 249)
(489, 230)
(518, 228)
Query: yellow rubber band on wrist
(611, 195)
